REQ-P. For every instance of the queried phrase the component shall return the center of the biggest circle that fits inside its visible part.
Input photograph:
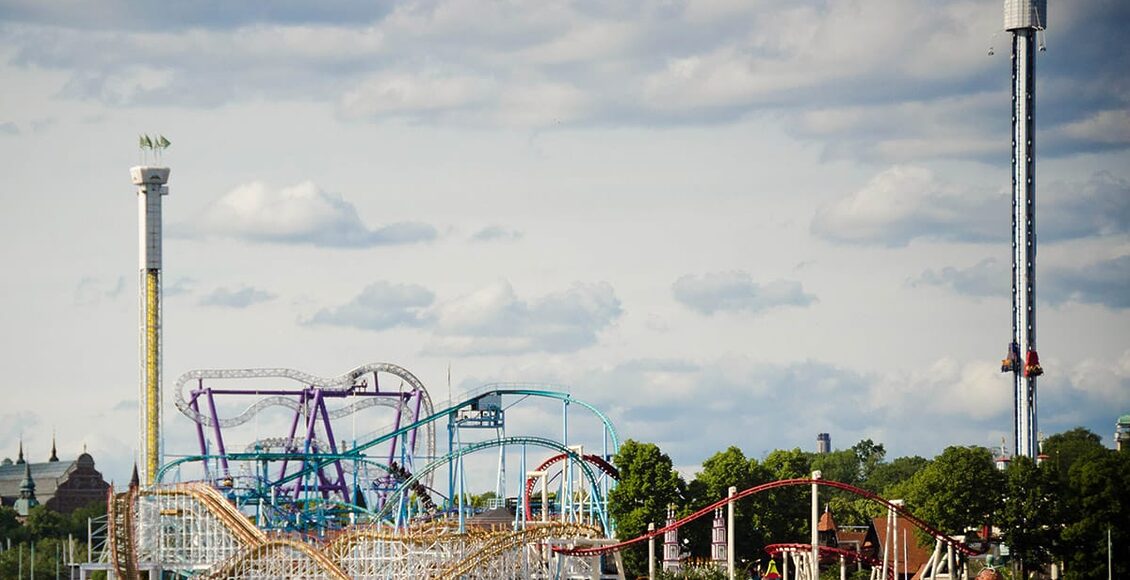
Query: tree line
(1060, 510)
(50, 532)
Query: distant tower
(151, 187)
(1122, 433)
(823, 443)
(1023, 18)
(1002, 460)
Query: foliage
(45, 523)
(50, 555)
(10, 526)
(49, 531)
(1097, 500)
(648, 484)
(479, 501)
(1065, 449)
(843, 466)
(694, 573)
(870, 456)
(782, 514)
(885, 477)
(1030, 520)
(721, 471)
(958, 489)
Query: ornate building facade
(62, 486)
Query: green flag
(144, 142)
(162, 142)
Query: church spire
(27, 486)
(27, 499)
(54, 456)
(20, 459)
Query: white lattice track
(192, 530)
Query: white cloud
(975, 390)
(463, 98)
(415, 95)
(737, 292)
(1106, 127)
(989, 277)
(299, 214)
(905, 202)
(1102, 282)
(494, 320)
(240, 298)
(496, 234)
(1107, 381)
(519, 65)
(91, 290)
(380, 306)
(1105, 282)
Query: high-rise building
(823, 443)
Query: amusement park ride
(306, 502)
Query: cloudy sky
(722, 221)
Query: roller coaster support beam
(815, 524)
(651, 552)
(544, 476)
(360, 448)
(730, 532)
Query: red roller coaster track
(594, 551)
(604, 466)
(775, 549)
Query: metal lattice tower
(1024, 18)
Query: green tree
(648, 484)
(10, 526)
(1030, 519)
(782, 514)
(479, 501)
(1097, 499)
(43, 523)
(722, 470)
(843, 466)
(958, 489)
(50, 557)
(885, 476)
(870, 456)
(848, 466)
(1064, 449)
(79, 517)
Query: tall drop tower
(151, 187)
(1024, 18)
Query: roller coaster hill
(300, 476)
(296, 475)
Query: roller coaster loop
(598, 499)
(518, 390)
(958, 545)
